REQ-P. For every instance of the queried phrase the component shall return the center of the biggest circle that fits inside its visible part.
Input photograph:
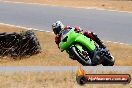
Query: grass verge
(123, 5)
(51, 79)
(51, 55)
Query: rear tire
(78, 57)
(109, 62)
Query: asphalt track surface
(64, 68)
(109, 25)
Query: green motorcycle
(84, 49)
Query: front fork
(84, 53)
(70, 54)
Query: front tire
(78, 57)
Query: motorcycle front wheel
(75, 52)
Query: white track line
(52, 32)
(23, 27)
(117, 42)
(96, 8)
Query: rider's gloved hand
(78, 29)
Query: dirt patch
(124, 5)
(51, 55)
(51, 79)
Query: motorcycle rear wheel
(108, 62)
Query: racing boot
(98, 41)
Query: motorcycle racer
(83, 46)
(58, 27)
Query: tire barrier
(19, 44)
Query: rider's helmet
(57, 27)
